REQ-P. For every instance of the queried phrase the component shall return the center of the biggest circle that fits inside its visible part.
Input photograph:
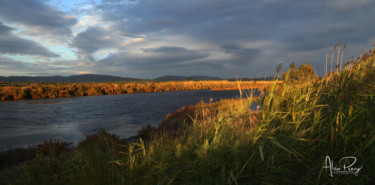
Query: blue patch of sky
(69, 5)
(64, 52)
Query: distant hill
(181, 78)
(270, 78)
(72, 79)
(86, 78)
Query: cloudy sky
(151, 38)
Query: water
(30, 122)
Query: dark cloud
(167, 50)
(147, 67)
(4, 29)
(161, 57)
(220, 21)
(35, 13)
(230, 47)
(241, 56)
(94, 39)
(171, 55)
(12, 44)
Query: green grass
(286, 142)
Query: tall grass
(286, 142)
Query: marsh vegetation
(22, 91)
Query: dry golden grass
(41, 90)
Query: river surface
(30, 122)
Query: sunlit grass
(20, 91)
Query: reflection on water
(45, 102)
(30, 122)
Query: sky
(152, 38)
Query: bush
(305, 72)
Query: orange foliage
(21, 91)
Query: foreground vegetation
(21, 91)
(285, 141)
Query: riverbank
(288, 141)
(22, 91)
